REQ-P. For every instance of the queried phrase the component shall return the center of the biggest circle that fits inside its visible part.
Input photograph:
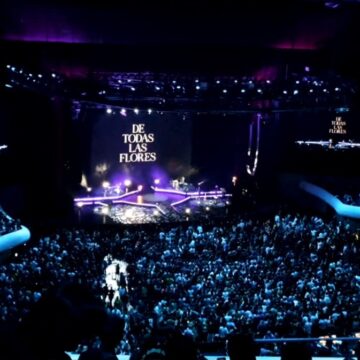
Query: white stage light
(150, 111)
(105, 210)
(127, 182)
(136, 111)
(157, 181)
(108, 111)
(187, 211)
(105, 184)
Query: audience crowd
(287, 276)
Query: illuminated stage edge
(121, 199)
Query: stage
(155, 205)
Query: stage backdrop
(139, 145)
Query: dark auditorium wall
(36, 157)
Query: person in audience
(57, 323)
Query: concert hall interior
(179, 180)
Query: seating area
(290, 275)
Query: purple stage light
(181, 201)
(105, 198)
(169, 191)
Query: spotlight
(259, 91)
(297, 82)
(296, 92)
(243, 90)
(187, 211)
(224, 91)
(136, 111)
(284, 92)
(39, 76)
(207, 208)
(218, 81)
(156, 213)
(132, 88)
(311, 90)
(53, 75)
(157, 181)
(88, 189)
(197, 87)
(157, 88)
(105, 210)
(105, 184)
(140, 187)
(108, 111)
(123, 112)
(127, 182)
(337, 89)
(79, 204)
(150, 111)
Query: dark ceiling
(77, 38)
